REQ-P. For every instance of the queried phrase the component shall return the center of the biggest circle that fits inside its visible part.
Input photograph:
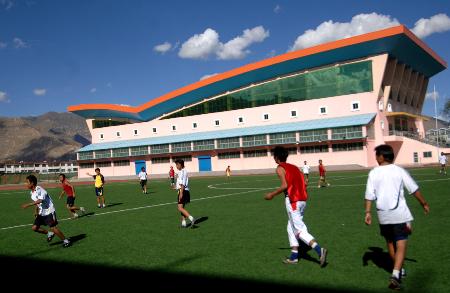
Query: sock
(66, 240)
(294, 255)
(50, 233)
(183, 223)
(191, 218)
(317, 248)
(396, 274)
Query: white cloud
(18, 43)
(331, 31)
(40, 92)
(163, 48)
(432, 95)
(8, 4)
(436, 24)
(277, 9)
(4, 97)
(237, 47)
(206, 44)
(93, 90)
(207, 76)
(3, 45)
(200, 46)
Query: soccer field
(240, 238)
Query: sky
(58, 53)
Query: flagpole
(435, 117)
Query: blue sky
(59, 53)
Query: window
(343, 147)
(86, 165)
(102, 136)
(181, 147)
(355, 106)
(102, 164)
(255, 153)
(314, 149)
(323, 110)
(240, 120)
(203, 145)
(293, 113)
(122, 152)
(314, 135)
(254, 140)
(100, 154)
(346, 132)
(427, 154)
(228, 143)
(84, 156)
(266, 117)
(282, 138)
(159, 149)
(229, 155)
(139, 151)
(194, 125)
(160, 160)
(121, 163)
(174, 128)
(135, 132)
(118, 133)
(216, 123)
(154, 130)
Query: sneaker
(328, 184)
(75, 215)
(99, 206)
(318, 186)
(192, 222)
(323, 256)
(289, 261)
(50, 237)
(82, 210)
(104, 205)
(66, 244)
(394, 283)
(403, 273)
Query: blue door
(139, 165)
(204, 163)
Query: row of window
(317, 135)
(237, 155)
(323, 110)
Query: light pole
(435, 116)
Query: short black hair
(97, 169)
(143, 168)
(280, 153)
(32, 179)
(386, 151)
(180, 161)
(63, 176)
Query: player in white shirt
(443, 162)
(184, 195)
(385, 186)
(305, 170)
(44, 213)
(143, 180)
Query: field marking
(212, 197)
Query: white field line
(210, 197)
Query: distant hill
(49, 137)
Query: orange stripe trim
(264, 63)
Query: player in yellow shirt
(99, 182)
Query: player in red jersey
(322, 176)
(69, 190)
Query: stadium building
(334, 102)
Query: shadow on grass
(130, 278)
(303, 250)
(109, 205)
(197, 221)
(380, 258)
(73, 239)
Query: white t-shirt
(142, 175)
(385, 185)
(443, 159)
(46, 207)
(182, 179)
(305, 169)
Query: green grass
(241, 237)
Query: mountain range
(49, 137)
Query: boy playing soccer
(294, 189)
(44, 213)
(385, 186)
(322, 179)
(68, 189)
(143, 180)
(305, 170)
(443, 162)
(99, 182)
(172, 176)
(184, 197)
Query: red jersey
(171, 173)
(67, 189)
(321, 170)
(296, 189)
